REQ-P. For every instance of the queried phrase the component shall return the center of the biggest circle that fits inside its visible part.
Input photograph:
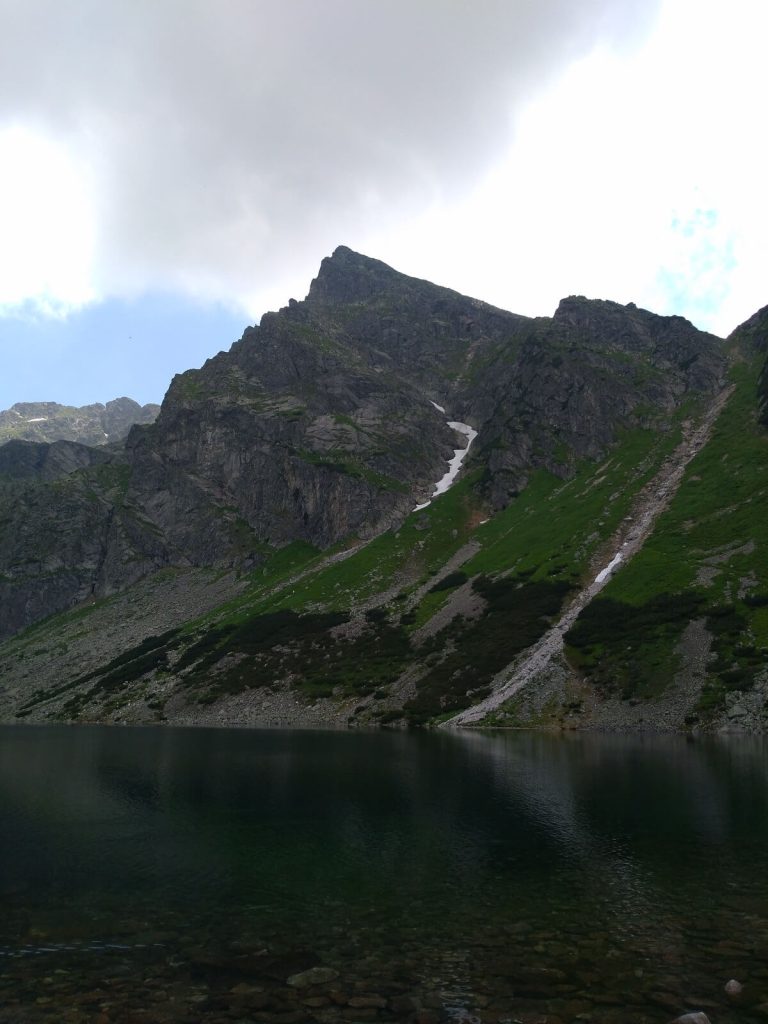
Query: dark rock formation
(752, 335)
(319, 424)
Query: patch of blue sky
(696, 276)
(108, 349)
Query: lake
(151, 875)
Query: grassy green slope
(283, 623)
(292, 619)
(706, 559)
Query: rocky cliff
(320, 424)
(254, 555)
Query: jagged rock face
(95, 424)
(753, 336)
(563, 388)
(319, 424)
(66, 534)
(537, 389)
(753, 333)
(294, 434)
(45, 462)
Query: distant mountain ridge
(94, 424)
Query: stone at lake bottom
(244, 989)
(734, 988)
(692, 1018)
(314, 976)
(402, 1004)
(377, 1002)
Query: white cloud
(637, 178)
(231, 144)
(516, 151)
(46, 224)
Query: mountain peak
(348, 276)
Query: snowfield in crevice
(454, 464)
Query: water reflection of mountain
(399, 820)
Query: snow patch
(438, 407)
(606, 572)
(454, 464)
(37, 419)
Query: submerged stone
(314, 976)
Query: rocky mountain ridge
(288, 469)
(319, 425)
(94, 424)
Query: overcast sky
(170, 169)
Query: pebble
(692, 1018)
(314, 976)
(734, 988)
(374, 1001)
(243, 989)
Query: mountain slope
(258, 560)
(320, 424)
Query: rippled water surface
(185, 875)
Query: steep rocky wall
(319, 425)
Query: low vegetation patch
(711, 531)
(736, 662)
(130, 665)
(305, 650)
(472, 652)
(628, 650)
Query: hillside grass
(715, 512)
(413, 552)
(553, 528)
(545, 539)
(531, 555)
(707, 558)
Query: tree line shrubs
(628, 649)
(735, 663)
(517, 613)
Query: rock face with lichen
(318, 425)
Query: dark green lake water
(184, 875)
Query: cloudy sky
(170, 169)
